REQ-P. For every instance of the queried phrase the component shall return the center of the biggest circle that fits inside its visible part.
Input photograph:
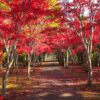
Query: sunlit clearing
(90, 95)
(9, 86)
(76, 83)
(66, 95)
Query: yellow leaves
(4, 6)
(54, 25)
(53, 4)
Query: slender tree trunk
(99, 60)
(1, 66)
(4, 78)
(8, 58)
(17, 67)
(64, 61)
(43, 59)
(99, 64)
(34, 60)
(8, 69)
(29, 66)
(90, 72)
(85, 61)
(67, 58)
(3, 87)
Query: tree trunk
(17, 67)
(64, 61)
(90, 72)
(4, 78)
(99, 64)
(67, 58)
(3, 87)
(8, 69)
(29, 66)
(1, 66)
(85, 61)
(99, 60)
(8, 59)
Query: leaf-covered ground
(52, 82)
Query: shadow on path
(51, 84)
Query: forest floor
(52, 82)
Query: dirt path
(52, 84)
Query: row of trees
(34, 27)
(83, 20)
(21, 21)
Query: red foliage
(27, 12)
